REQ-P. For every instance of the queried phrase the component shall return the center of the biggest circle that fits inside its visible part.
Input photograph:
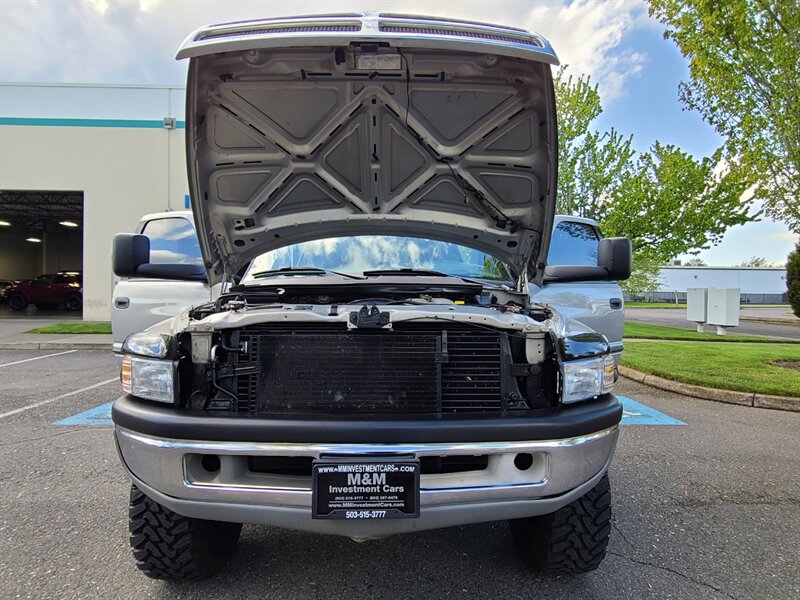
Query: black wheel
(73, 302)
(571, 540)
(169, 546)
(17, 302)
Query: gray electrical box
(696, 304)
(723, 307)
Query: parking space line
(99, 415)
(19, 362)
(636, 413)
(61, 397)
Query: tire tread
(169, 546)
(571, 540)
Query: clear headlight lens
(148, 378)
(146, 344)
(587, 378)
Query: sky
(615, 42)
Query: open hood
(316, 127)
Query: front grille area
(421, 369)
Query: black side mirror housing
(616, 256)
(129, 252)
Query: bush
(793, 279)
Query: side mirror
(614, 263)
(616, 256)
(129, 252)
(131, 258)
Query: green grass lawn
(664, 332)
(742, 367)
(75, 327)
(654, 305)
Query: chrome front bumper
(170, 471)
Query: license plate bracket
(365, 488)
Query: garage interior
(41, 232)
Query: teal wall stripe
(125, 123)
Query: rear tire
(73, 302)
(17, 302)
(571, 540)
(169, 546)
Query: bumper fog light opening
(210, 463)
(523, 461)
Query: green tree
(793, 278)
(755, 261)
(590, 163)
(744, 67)
(666, 201)
(672, 203)
(695, 262)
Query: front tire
(571, 540)
(169, 546)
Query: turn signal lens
(125, 374)
(609, 370)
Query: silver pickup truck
(376, 196)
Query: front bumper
(169, 470)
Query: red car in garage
(48, 291)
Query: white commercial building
(98, 155)
(758, 285)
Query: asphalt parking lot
(706, 509)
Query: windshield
(357, 254)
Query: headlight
(588, 378)
(146, 344)
(148, 378)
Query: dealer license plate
(365, 488)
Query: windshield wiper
(300, 272)
(412, 272)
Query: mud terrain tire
(571, 540)
(169, 546)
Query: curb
(54, 346)
(773, 320)
(698, 391)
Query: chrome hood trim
(311, 128)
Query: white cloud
(134, 42)
(589, 37)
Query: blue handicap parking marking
(633, 413)
(636, 413)
(97, 416)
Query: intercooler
(416, 368)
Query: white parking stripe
(61, 397)
(19, 362)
